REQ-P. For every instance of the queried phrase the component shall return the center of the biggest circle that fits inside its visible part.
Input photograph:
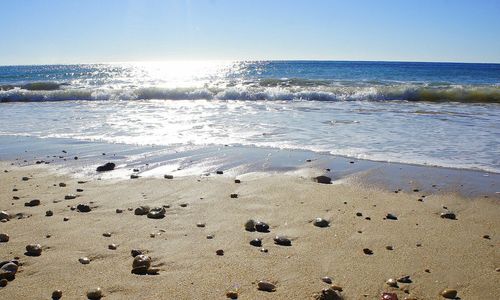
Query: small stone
(261, 227)
(210, 236)
(4, 238)
(95, 294)
(168, 176)
(79, 190)
(69, 197)
(183, 205)
(49, 213)
(405, 279)
(157, 213)
(326, 279)
(234, 195)
(391, 217)
(8, 269)
(250, 225)
(134, 176)
(65, 219)
(389, 296)
(25, 178)
(449, 293)
(389, 247)
(320, 222)
(107, 234)
(142, 210)
(83, 208)
(232, 294)
(84, 260)
(219, 252)
(448, 215)
(199, 224)
(392, 282)
(359, 214)
(34, 202)
(219, 172)
(135, 252)
(323, 179)
(264, 250)
(237, 181)
(486, 237)
(367, 251)
(3, 282)
(266, 286)
(112, 246)
(106, 167)
(4, 215)
(256, 242)
(33, 250)
(62, 184)
(282, 240)
(141, 264)
(119, 210)
(57, 294)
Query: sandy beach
(436, 253)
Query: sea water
(441, 114)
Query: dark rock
(405, 279)
(157, 213)
(320, 222)
(250, 225)
(57, 294)
(391, 217)
(323, 179)
(33, 250)
(4, 237)
(142, 210)
(266, 286)
(256, 242)
(261, 227)
(70, 197)
(282, 241)
(448, 215)
(449, 293)
(237, 181)
(49, 213)
(134, 176)
(219, 252)
(367, 251)
(4, 215)
(106, 167)
(168, 176)
(234, 195)
(135, 252)
(83, 208)
(219, 172)
(34, 202)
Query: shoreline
(426, 247)
(80, 158)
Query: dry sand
(454, 251)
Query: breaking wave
(267, 90)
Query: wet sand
(436, 253)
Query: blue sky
(73, 31)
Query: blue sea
(439, 114)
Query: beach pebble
(168, 176)
(106, 167)
(210, 236)
(234, 195)
(405, 279)
(389, 296)
(3, 282)
(34, 202)
(119, 210)
(250, 225)
(199, 224)
(79, 190)
(141, 264)
(326, 279)
(486, 236)
(57, 294)
(62, 184)
(266, 286)
(320, 222)
(391, 217)
(256, 242)
(4, 215)
(219, 252)
(49, 213)
(448, 215)
(323, 179)
(25, 178)
(142, 210)
(232, 294)
(389, 247)
(183, 205)
(237, 181)
(83, 208)
(449, 293)
(84, 260)
(263, 250)
(282, 240)
(134, 176)
(359, 214)
(327, 294)
(34, 250)
(107, 234)
(156, 213)
(65, 219)
(95, 294)
(112, 246)
(135, 252)
(8, 269)
(4, 238)
(261, 227)
(219, 172)
(69, 197)
(367, 251)
(392, 282)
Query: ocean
(437, 114)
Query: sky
(85, 31)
